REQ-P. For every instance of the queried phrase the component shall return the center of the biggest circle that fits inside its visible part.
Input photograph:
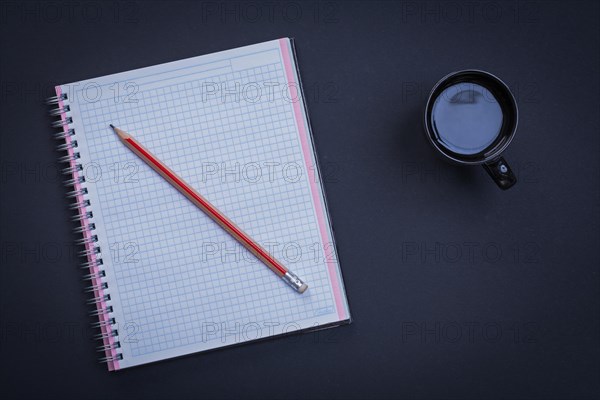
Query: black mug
(471, 117)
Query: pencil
(289, 277)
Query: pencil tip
(120, 133)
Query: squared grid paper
(176, 270)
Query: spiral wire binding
(96, 285)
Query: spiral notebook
(166, 280)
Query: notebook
(165, 279)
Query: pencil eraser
(302, 288)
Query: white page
(232, 124)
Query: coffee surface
(466, 118)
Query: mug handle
(500, 173)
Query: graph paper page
(233, 125)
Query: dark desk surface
(456, 288)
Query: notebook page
(232, 124)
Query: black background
(457, 289)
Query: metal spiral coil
(72, 170)
(92, 264)
(81, 217)
(67, 146)
(118, 357)
(88, 240)
(73, 181)
(70, 158)
(89, 252)
(59, 110)
(95, 274)
(78, 205)
(83, 228)
(96, 288)
(62, 122)
(106, 310)
(106, 335)
(77, 192)
(62, 135)
(99, 299)
(56, 99)
(108, 322)
(115, 345)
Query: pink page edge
(306, 150)
(112, 365)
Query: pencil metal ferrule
(296, 283)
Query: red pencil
(289, 277)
